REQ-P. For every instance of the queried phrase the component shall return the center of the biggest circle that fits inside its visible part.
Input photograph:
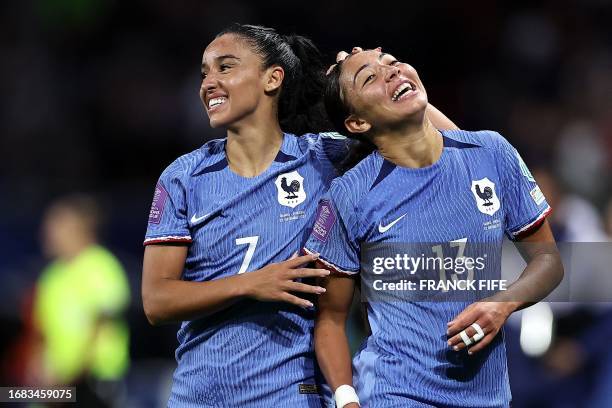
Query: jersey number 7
(252, 241)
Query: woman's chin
(416, 111)
(216, 123)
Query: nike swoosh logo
(196, 220)
(385, 228)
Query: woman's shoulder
(331, 145)
(358, 181)
(189, 163)
(477, 138)
(317, 140)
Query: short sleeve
(334, 232)
(330, 150)
(168, 215)
(525, 205)
(335, 146)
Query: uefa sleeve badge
(159, 201)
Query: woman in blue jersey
(427, 193)
(227, 219)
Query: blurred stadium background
(100, 96)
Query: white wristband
(345, 394)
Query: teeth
(216, 101)
(401, 88)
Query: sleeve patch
(325, 220)
(537, 195)
(159, 201)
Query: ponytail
(301, 107)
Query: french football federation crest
(290, 188)
(486, 197)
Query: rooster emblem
(485, 195)
(291, 189)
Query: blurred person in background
(579, 361)
(574, 366)
(80, 300)
(575, 218)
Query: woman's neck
(251, 149)
(414, 146)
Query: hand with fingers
(341, 56)
(477, 325)
(275, 282)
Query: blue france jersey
(478, 190)
(252, 354)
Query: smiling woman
(239, 56)
(230, 60)
(223, 227)
(418, 182)
(386, 101)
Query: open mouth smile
(404, 90)
(215, 103)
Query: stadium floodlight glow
(536, 329)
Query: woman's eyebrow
(222, 57)
(364, 66)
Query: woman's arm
(438, 119)
(167, 298)
(544, 271)
(331, 343)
